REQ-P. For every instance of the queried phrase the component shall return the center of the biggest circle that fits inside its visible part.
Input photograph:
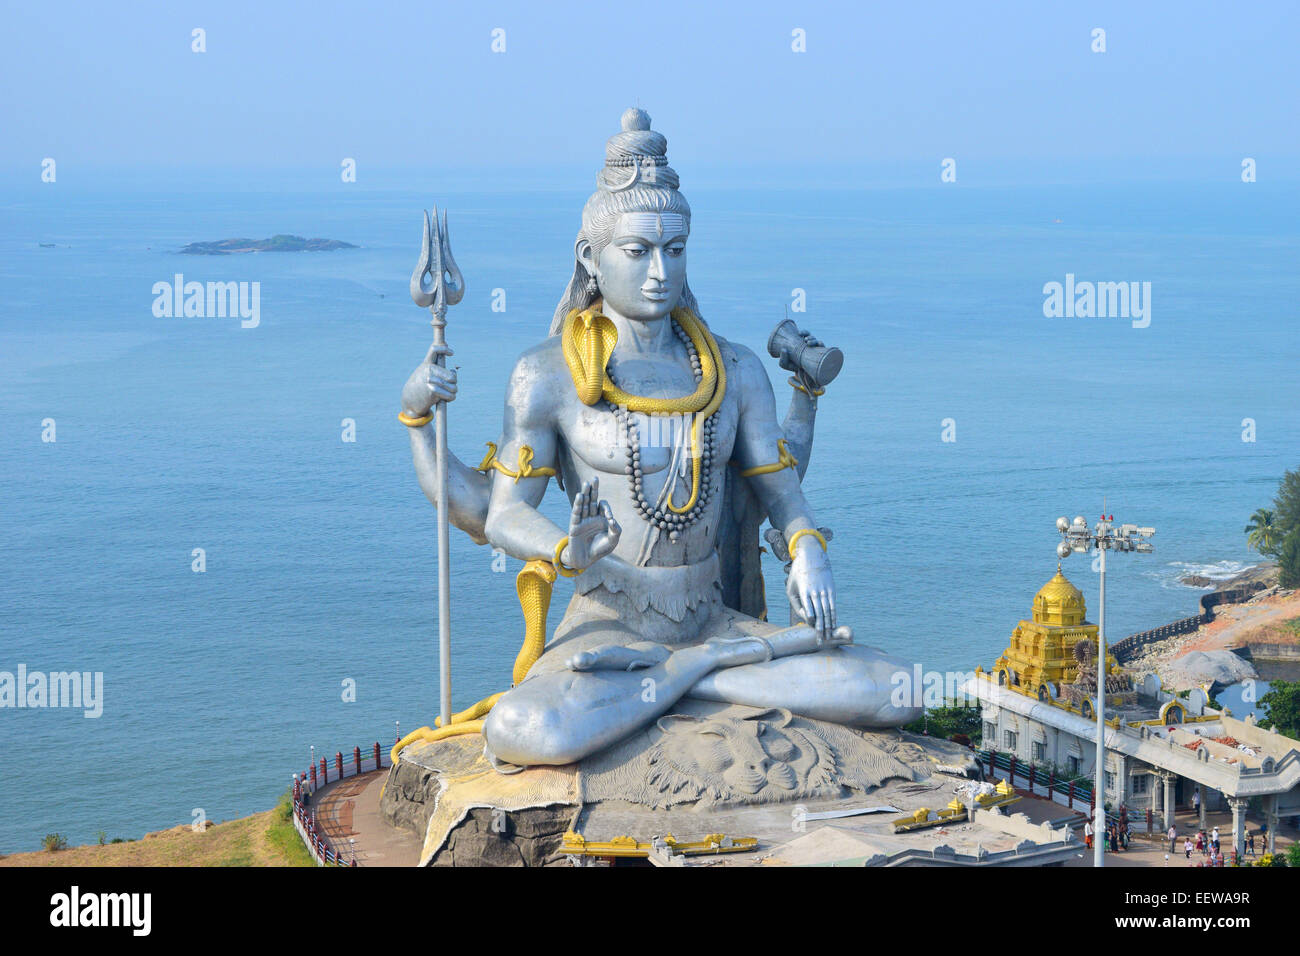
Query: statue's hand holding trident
(432, 383)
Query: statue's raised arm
(467, 488)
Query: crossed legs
(598, 682)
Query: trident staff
(436, 284)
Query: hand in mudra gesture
(593, 532)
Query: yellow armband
(526, 469)
(784, 460)
(798, 386)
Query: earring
(592, 286)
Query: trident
(437, 283)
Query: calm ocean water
(176, 434)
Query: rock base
(708, 768)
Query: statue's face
(642, 271)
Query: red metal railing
(304, 814)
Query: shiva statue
(633, 396)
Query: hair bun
(635, 119)
(636, 145)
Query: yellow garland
(588, 340)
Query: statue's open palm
(593, 532)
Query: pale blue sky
(1184, 89)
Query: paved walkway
(1186, 822)
(349, 809)
(1144, 852)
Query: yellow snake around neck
(588, 339)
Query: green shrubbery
(952, 719)
(1283, 704)
(1275, 532)
(1288, 560)
(284, 836)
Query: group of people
(1207, 845)
(1116, 836)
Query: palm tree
(1262, 532)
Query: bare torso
(592, 443)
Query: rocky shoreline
(1265, 574)
(1206, 655)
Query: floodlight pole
(1099, 777)
(1077, 538)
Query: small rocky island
(280, 243)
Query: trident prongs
(436, 282)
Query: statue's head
(631, 250)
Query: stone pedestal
(707, 769)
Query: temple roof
(1059, 602)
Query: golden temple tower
(1041, 657)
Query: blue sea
(176, 434)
